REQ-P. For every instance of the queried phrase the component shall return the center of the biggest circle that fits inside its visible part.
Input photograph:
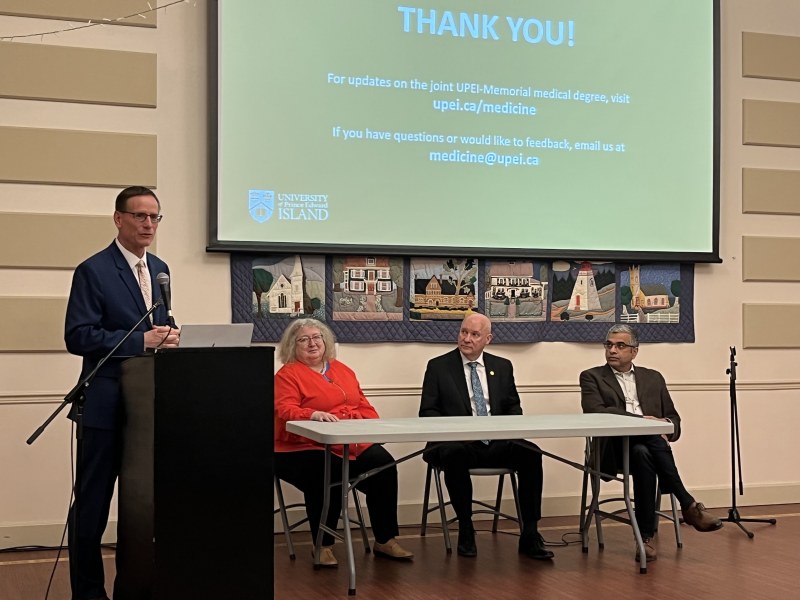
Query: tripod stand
(736, 457)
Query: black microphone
(163, 283)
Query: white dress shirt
(627, 381)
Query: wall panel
(44, 72)
(766, 123)
(772, 191)
(37, 326)
(84, 10)
(771, 325)
(770, 56)
(52, 241)
(770, 258)
(93, 158)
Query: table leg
(587, 512)
(348, 538)
(326, 503)
(594, 504)
(626, 488)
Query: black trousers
(651, 464)
(88, 516)
(304, 470)
(457, 458)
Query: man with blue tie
(468, 381)
(111, 291)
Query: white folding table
(448, 429)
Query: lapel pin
(491, 372)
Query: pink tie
(144, 284)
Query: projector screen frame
(216, 244)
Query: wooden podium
(195, 488)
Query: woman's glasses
(308, 339)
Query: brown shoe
(650, 553)
(326, 557)
(392, 549)
(697, 517)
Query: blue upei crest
(262, 204)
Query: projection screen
(545, 128)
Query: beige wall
(35, 490)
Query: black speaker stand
(736, 458)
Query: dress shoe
(326, 557)
(466, 542)
(392, 549)
(532, 546)
(697, 517)
(650, 553)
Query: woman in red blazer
(313, 385)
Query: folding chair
(593, 461)
(486, 508)
(289, 527)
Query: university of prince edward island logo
(262, 204)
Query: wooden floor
(722, 564)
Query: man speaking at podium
(111, 291)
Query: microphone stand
(77, 397)
(736, 457)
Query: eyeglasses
(142, 217)
(618, 345)
(308, 339)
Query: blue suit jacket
(104, 303)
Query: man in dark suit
(110, 292)
(620, 388)
(468, 381)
